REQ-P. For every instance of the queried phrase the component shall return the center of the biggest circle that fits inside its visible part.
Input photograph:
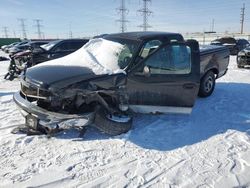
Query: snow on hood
(99, 55)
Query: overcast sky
(92, 17)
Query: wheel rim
(209, 83)
(120, 119)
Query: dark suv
(234, 45)
(56, 49)
(26, 46)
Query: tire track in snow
(155, 178)
(93, 178)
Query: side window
(75, 45)
(62, 47)
(172, 59)
(149, 47)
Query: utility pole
(242, 15)
(212, 29)
(145, 12)
(14, 33)
(70, 31)
(123, 12)
(5, 30)
(38, 26)
(22, 24)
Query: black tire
(240, 66)
(6, 76)
(207, 84)
(11, 77)
(111, 127)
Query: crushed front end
(45, 108)
(88, 84)
(243, 58)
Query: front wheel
(112, 125)
(240, 66)
(207, 84)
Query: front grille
(34, 92)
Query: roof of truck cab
(144, 35)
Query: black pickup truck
(109, 79)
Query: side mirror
(146, 71)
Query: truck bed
(215, 58)
(204, 49)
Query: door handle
(189, 86)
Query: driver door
(167, 80)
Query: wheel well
(215, 71)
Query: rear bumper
(48, 118)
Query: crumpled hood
(98, 57)
(45, 76)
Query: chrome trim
(48, 116)
(25, 84)
(38, 92)
(146, 109)
(33, 96)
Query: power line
(123, 12)
(38, 26)
(145, 12)
(23, 27)
(70, 31)
(213, 25)
(5, 30)
(242, 15)
(14, 33)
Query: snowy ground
(209, 148)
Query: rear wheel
(112, 124)
(240, 66)
(207, 84)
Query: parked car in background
(243, 57)
(56, 49)
(10, 47)
(26, 46)
(242, 44)
(234, 45)
(2, 47)
(35, 54)
(100, 36)
(4, 58)
(5, 47)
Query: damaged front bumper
(36, 116)
(243, 60)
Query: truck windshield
(130, 48)
(99, 56)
